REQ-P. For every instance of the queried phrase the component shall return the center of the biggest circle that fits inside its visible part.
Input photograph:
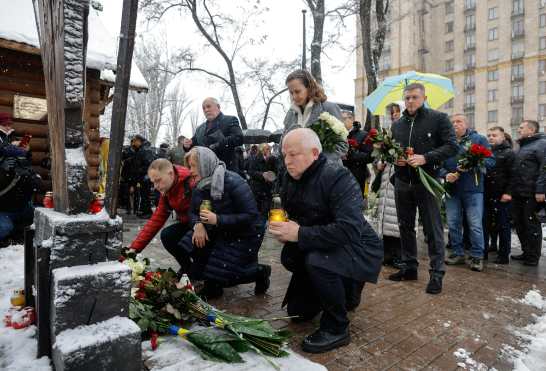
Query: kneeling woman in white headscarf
(222, 249)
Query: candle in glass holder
(277, 213)
(48, 200)
(205, 205)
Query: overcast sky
(283, 26)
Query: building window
(542, 87)
(492, 55)
(470, 22)
(449, 27)
(517, 115)
(517, 92)
(492, 75)
(492, 95)
(449, 46)
(450, 65)
(469, 4)
(541, 111)
(518, 49)
(470, 119)
(469, 100)
(541, 67)
(517, 71)
(492, 13)
(518, 28)
(492, 116)
(469, 81)
(470, 60)
(449, 7)
(517, 7)
(542, 21)
(470, 41)
(493, 34)
(542, 3)
(542, 43)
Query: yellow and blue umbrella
(438, 89)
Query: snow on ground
(176, 354)
(466, 362)
(533, 355)
(17, 347)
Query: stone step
(105, 346)
(82, 295)
(78, 239)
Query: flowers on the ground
(330, 131)
(162, 302)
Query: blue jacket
(467, 180)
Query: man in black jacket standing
(528, 189)
(221, 133)
(497, 196)
(329, 247)
(432, 138)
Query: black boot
(404, 275)
(435, 283)
(519, 257)
(262, 279)
(322, 341)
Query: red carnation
(353, 143)
(373, 133)
(140, 295)
(410, 151)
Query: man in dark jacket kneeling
(329, 247)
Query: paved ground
(398, 326)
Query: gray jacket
(291, 122)
(387, 219)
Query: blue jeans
(10, 220)
(471, 204)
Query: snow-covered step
(88, 294)
(105, 346)
(77, 239)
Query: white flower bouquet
(330, 131)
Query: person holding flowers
(465, 173)
(226, 232)
(330, 248)
(310, 107)
(428, 138)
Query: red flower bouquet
(386, 149)
(473, 159)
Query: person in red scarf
(174, 183)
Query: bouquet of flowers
(162, 304)
(473, 158)
(330, 131)
(386, 149)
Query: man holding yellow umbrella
(431, 137)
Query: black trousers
(409, 198)
(190, 263)
(527, 226)
(313, 289)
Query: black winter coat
(327, 204)
(236, 239)
(144, 156)
(221, 135)
(359, 157)
(528, 169)
(255, 167)
(431, 134)
(497, 179)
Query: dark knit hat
(5, 118)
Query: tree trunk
(268, 106)
(317, 10)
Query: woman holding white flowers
(308, 103)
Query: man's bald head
(300, 147)
(211, 108)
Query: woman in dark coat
(224, 241)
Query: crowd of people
(221, 195)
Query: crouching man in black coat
(329, 247)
